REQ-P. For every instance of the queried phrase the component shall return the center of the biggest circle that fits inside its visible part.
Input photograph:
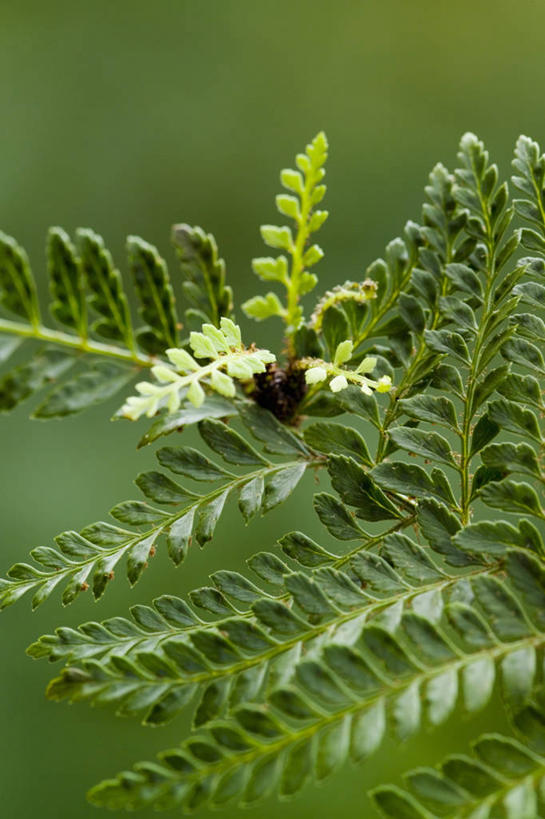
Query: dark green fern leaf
(204, 276)
(90, 557)
(107, 298)
(156, 297)
(338, 701)
(502, 777)
(89, 301)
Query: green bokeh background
(127, 116)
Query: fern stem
(297, 266)
(475, 358)
(465, 460)
(392, 412)
(468, 406)
(131, 642)
(314, 631)
(402, 524)
(388, 304)
(41, 333)
(162, 527)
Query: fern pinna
(418, 600)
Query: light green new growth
(299, 205)
(229, 360)
(318, 371)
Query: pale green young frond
(306, 191)
(229, 360)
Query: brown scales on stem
(280, 391)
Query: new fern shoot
(414, 396)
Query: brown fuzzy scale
(280, 391)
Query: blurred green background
(127, 116)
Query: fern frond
(317, 370)
(444, 240)
(503, 776)
(17, 285)
(88, 299)
(308, 660)
(341, 698)
(106, 294)
(518, 410)
(90, 556)
(410, 289)
(482, 331)
(204, 277)
(66, 283)
(529, 179)
(308, 192)
(228, 359)
(256, 635)
(253, 642)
